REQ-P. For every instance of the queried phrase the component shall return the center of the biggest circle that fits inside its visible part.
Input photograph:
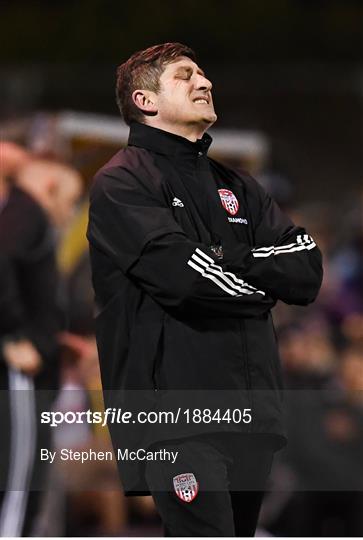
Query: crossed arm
(143, 239)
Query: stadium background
(288, 90)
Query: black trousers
(230, 471)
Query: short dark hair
(143, 70)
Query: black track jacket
(188, 257)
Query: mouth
(202, 100)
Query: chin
(210, 118)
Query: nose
(203, 83)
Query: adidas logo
(177, 202)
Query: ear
(145, 100)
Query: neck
(191, 132)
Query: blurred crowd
(318, 478)
(316, 486)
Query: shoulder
(131, 168)
(26, 220)
(20, 203)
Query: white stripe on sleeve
(227, 281)
(302, 243)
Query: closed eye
(184, 74)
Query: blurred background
(288, 90)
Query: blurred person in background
(170, 254)
(346, 262)
(56, 187)
(96, 505)
(308, 355)
(37, 195)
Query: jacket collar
(164, 142)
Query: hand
(80, 345)
(85, 354)
(22, 355)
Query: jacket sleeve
(11, 307)
(138, 232)
(285, 262)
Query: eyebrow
(189, 69)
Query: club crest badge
(229, 201)
(186, 486)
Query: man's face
(185, 97)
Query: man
(188, 258)
(39, 192)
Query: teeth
(201, 101)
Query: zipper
(246, 369)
